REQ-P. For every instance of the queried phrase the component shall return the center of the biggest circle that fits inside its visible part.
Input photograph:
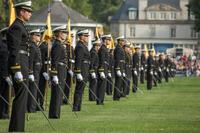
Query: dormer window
(173, 16)
(132, 13)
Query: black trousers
(109, 88)
(92, 89)
(79, 89)
(149, 80)
(118, 89)
(155, 79)
(159, 77)
(135, 83)
(42, 85)
(166, 76)
(4, 90)
(31, 104)
(127, 86)
(67, 87)
(142, 76)
(56, 94)
(19, 106)
(101, 90)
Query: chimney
(184, 9)
(142, 4)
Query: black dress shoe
(100, 103)
(4, 117)
(115, 99)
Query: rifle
(26, 87)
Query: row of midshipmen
(33, 66)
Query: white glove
(72, 61)
(119, 74)
(109, 75)
(172, 69)
(55, 79)
(79, 77)
(102, 75)
(9, 81)
(71, 73)
(46, 76)
(124, 75)
(18, 76)
(93, 75)
(141, 68)
(160, 70)
(151, 72)
(135, 73)
(167, 70)
(31, 78)
(155, 73)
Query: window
(152, 31)
(132, 31)
(163, 16)
(193, 33)
(173, 15)
(153, 15)
(173, 32)
(132, 13)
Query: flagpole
(48, 38)
(70, 52)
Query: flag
(133, 48)
(112, 43)
(69, 39)
(146, 51)
(48, 31)
(154, 51)
(97, 33)
(12, 14)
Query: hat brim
(36, 33)
(60, 30)
(83, 34)
(137, 47)
(27, 8)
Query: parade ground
(172, 107)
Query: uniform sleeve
(44, 53)
(79, 55)
(134, 62)
(101, 55)
(117, 59)
(14, 37)
(55, 56)
(92, 62)
(31, 59)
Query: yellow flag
(133, 48)
(48, 32)
(154, 51)
(112, 43)
(69, 30)
(146, 51)
(12, 14)
(97, 32)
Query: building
(160, 23)
(59, 16)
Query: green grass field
(169, 108)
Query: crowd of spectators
(188, 65)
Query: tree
(195, 10)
